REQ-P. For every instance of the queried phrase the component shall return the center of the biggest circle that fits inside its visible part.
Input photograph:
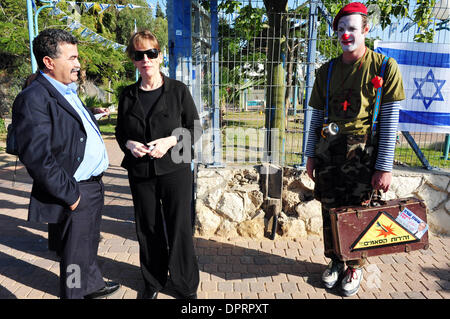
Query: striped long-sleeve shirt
(388, 122)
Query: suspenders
(325, 116)
(377, 101)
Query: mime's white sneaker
(352, 281)
(331, 275)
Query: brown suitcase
(398, 225)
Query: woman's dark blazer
(174, 114)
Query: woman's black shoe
(150, 295)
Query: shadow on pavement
(6, 294)
(27, 274)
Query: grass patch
(406, 155)
(244, 149)
(244, 119)
(108, 124)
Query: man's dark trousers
(79, 271)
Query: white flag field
(425, 68)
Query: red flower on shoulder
(377, 82)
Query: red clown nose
(345, 37)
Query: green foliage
(235, 83)
(422, 16)
(229, 6)
(103, 65)
(389, 9)
(160, 29)
(118, 86)
(238, 44)
(93, 101)
(2, 126)
(124, 22)
(397, 9)
(159, 11)
(249, 22)
(14, 38)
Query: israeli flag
(425, 69)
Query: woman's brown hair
(140, 37)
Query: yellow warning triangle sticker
(383, 231)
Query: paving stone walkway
(230, 269)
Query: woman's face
(147, 67)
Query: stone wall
(230, 201)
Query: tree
(286, 43)
(396, 9)
(159, 11)
(15, 61)
(101, 64)
(240, 41)
(276, 89)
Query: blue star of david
(438, 84)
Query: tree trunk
(276, 89)
(289, 83)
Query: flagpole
(446, 146)
(50, 5)
(31, 35)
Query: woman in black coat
(157, 125)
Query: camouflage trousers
(343, 172)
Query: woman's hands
(157, 148)
(161, 146)
(137, 149)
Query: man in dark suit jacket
(62, 149)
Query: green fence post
(446, 146)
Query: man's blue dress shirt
(95, 160)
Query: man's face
(350, 32)
(65, 67)
(422, 226)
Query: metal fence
(244, 40)
(236, 105)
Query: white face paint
(350, 32)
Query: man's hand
(137, 149)
(162, 145)
(381, 180)
(310, 166)
(75, 205)
(98, 110)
